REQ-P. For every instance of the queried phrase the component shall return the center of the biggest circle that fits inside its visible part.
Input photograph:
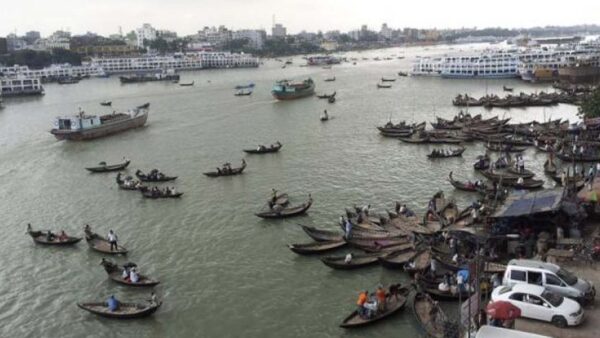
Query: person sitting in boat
(153, 299)
(365, 209)
(348, 230)
(62, 236)
(173, 191)
(261, 147)
(277, 208)
(273, 195)
(381, 298)
(134, 277)
(362, 300)
(325, 115)
(348, 258)
(50, 236)
(371, 307)
(444, 286)
(520, 181)
(112, 303)
(125, 274)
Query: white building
(255, 37)
(278, 31)
(386, 32)
(51, 43)
(146, 32)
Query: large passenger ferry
(20, 86)
(489, 64)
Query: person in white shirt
(133, 276)
(112, 239)
(520, 181)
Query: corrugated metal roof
(519, 204)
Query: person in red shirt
(381, 298)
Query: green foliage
(40, 59)
(590, 106)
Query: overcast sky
(188, 16)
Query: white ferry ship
(488, 64)
(179, 61)
(52, 72)
(20, 86)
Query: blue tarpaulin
(518, 204)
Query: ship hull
(294, 96)
(125, 79)
(102, 131)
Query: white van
(550, 276)
(487, 331)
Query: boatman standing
(112, 239)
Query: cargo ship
(148, 77)
(288, 90)
(582, 72)
(87, 127)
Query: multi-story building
(32, 36)
(3, 46)
(51, 43)
(278, 31)
(14, 43)
(256, 37)
(146, 32)
(167, 35)
(386, 32)
(215, 36)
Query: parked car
(536, 302)
(550, 276)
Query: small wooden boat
(106, 103)
(103, 167)
(264, 150)
(497, 147)
(227, 172)
(383, 79)
(125, 310)
(550, 167)
(413, 139)
(156, 178)
(483, 162)
(507, 89)
(320, 235)
(243, 93)
(525, 173)
(462, 186)
(330, 79)
(48, 238)
(326, 96)
(129, 183)
(188, 84)
(101, 244)
(404, 74)
(144, 106)
(502, 176)
(287, 212)
(441, 154)
(357, 261)
(379, 85)
(430, 316)
(115, 272)
(431, 286)
(246, 86)
(420, 261)
(393, 304)
(316, 247)
(157, 193)
(376, 244)
(527, 184)
(397, 259)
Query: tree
(590, 107)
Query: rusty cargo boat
(86, 127)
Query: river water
(223, 271)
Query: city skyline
(186, 17)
